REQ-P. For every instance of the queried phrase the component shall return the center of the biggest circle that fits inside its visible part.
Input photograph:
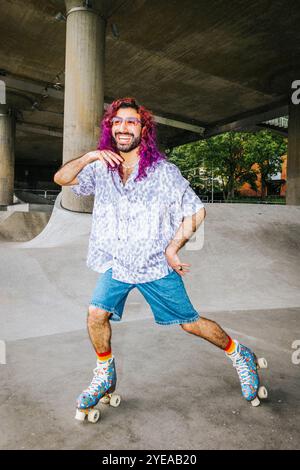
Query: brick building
(276, 185)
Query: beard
(135, 142)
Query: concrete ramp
(250, 258)
(249, 261)
(21, 226)
(247, 269)
(63, 229)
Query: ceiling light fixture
(115, 30)
(45, 93)
(87, 4)
(35, 105)
(57, 84)
(60, 17)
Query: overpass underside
(203, 68)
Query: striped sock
(231, 346)
(103, 357)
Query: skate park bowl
(25, 218)
(19, 226)
(246, 277)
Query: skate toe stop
(80, 415)
(255, 402)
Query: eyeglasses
(129, 122)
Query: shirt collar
(129, 180)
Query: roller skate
(246, 364)
(101, 389)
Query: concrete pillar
(7, 155)
(293, 160)
(84, 89)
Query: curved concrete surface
(246, 277)
(22, 226)
(249, 261)
(63, 229)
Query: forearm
(186, 229)
(70, 170)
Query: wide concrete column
(84, 89)
(293, 159)
(7, 155)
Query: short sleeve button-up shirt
(133, 223)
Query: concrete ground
(178, 391)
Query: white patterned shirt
(133, 223)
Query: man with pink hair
(144, 213)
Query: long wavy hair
(148, 150)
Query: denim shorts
(167, 298)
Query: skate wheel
(80, 415)
(105, 399)
(93, 416)
(262, 393)
(255, 402)
(262, 363)
(115, 400)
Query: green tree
(230, 156)
(222, 155)
(231, 166)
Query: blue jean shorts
(167, 298)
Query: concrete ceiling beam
(39, 129)
(252, 119)
(30, 86)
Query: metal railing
(49, 194)
(269, 200)
(279, 122)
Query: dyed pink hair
(148, 151)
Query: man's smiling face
(127, 133)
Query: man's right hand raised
(67, 174)
(107, 156)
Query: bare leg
(99, 329)
(243, 359)
(104, 380)
(209, 330)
